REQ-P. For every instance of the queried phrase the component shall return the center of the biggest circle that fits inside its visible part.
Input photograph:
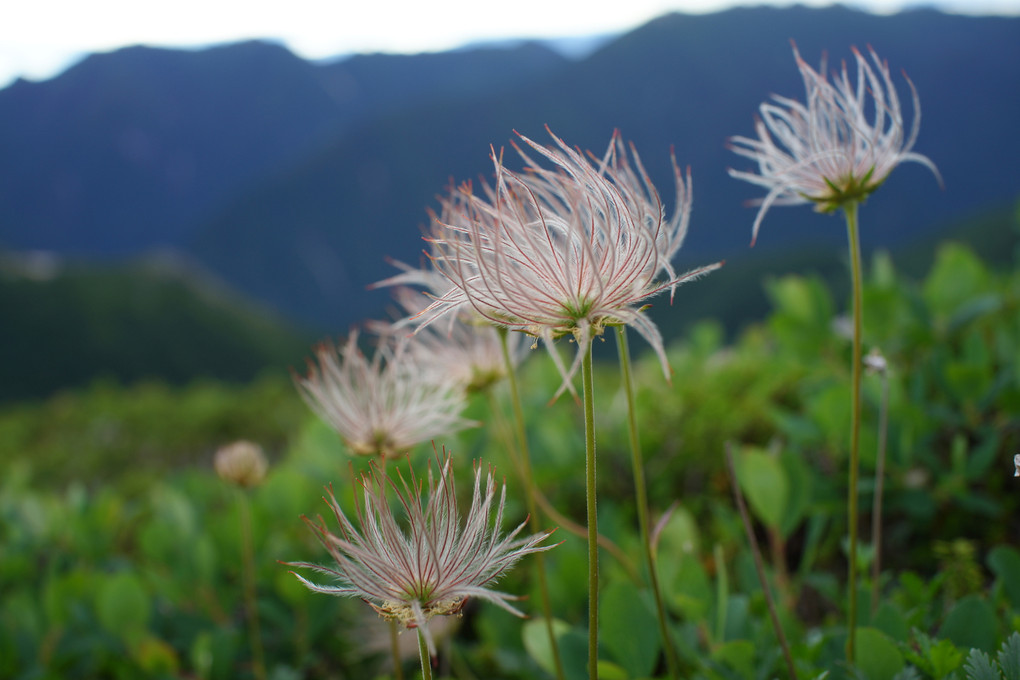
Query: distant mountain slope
(67, 324)
(369, 84)
(137, 147)
(325, 228)
(128, 149)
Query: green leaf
(979, 667)
(123, 606)
(737, 655)
(957, 276)
(156, 657)
(610, 671)
(629, 628)
(890, 620)
(1004, 560)
(800, 482)
(880, 659)
(1009, 657)
(573, 647)
(766, 486)
(945, 658)
(971, 623)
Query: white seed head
(837, 147)
(242, 463)
(383, 406)
(434, 563)
(566, 250)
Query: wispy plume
(565, 250)
(435, 563)
(385, 405)
(837, 146)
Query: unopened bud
(241, 463)
(1016, 462)
(875, 362)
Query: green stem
(547, 508)
(641, 501)
(250, 598)
(398, 666)
(876, 511)
(593, 524)
(423, 654)
(529, 486)
(759, 565)
(854, 243)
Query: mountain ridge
(307, 187)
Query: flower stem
(250, 597)
(593, 524)
(759, 565)
(398, 667)
(423, 654)
(854, 243)
(641, 501)
(530, 493)
(876, 511)
(554, 515)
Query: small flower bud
(241, 463)
(1016, 462)
(875, 362)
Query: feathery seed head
(383, 406)
(242, 463)
(464, 346)
(433, 564)
(836, 148)
(566, 250)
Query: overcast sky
(39, 38)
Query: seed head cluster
(570, 246)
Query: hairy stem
(530, 492)
(641, 501)
(593, 528)
(854, 243)
(398, 667)
(758, 564)
(423, 654)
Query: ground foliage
(120, 548)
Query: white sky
(39, 38)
